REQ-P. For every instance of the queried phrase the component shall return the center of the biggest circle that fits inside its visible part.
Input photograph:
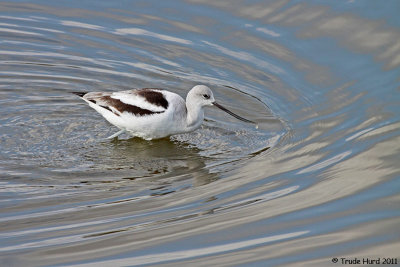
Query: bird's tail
(81, 94)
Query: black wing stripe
(123, 107)
(108, 108)
(153, 97)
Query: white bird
(152, 113)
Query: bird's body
(153, 113)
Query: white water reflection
(19, 31)
(191, 253)
(138, 31)
(325, 163)
(360, 133)
(81, 25)
(243, 56)
(268, 31)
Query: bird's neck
(195, 116)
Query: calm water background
(320, 177)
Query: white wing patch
(134, 99)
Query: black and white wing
(141, 102)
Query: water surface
(318, 179)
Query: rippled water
(318, 179)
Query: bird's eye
(206, 96)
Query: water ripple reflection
(318, 179)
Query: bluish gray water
(319, 179)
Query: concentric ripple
(318, 178)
